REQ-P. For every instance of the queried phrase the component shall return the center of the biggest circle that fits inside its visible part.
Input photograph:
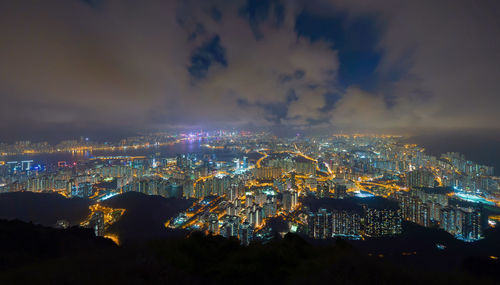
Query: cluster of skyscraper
(431, 207)
(239, 183)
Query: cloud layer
(345, 65)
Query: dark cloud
(215, 13)
(355, 39)
(92, 3)
(258, 11)
(274, 112)
(292, 96)
(299, 74)
(211, 52)
(284, 78)
(334, 64)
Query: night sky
(118, 66)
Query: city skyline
(244, 180)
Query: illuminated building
(305, 166)
(97, 223)
(230, 226)
(346, 223)
(267, 173)
(187, 188)
(246, 233)
(419, 178)
(278, 174)
(414, 210)
(115, 171)
(382, 222)
(231, 209)
(471, 224)
(451, 220)
(463, 223)
(324, 188)
(183, 161)
(213, 224)
(234, 191)
(71, 188)
(249, 201)
(260, 197)
(325, 224)
(270, 207)
(289, 201)
(85, 190)
(26, 165)
(311, 182)
(220, 184)
(13, 167)
(255, 216)
(147, 186)
(468, 167)
(245, 162)
(203, 188)
(320, 224)
(436, 198)
(282, 161)
(39, 184)
(169, 189)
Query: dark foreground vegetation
(34, 254)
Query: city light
(240, 183)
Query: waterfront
(480, 146)
(170, 150)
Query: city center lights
(242, 183)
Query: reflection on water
(70, 157)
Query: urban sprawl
(242, 184)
